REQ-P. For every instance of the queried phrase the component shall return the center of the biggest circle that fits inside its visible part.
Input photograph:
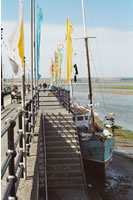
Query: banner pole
(32, 117)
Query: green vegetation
(119, 133)
(130, 87)
(122, 135)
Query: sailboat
(97, 145)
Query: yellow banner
(69, 50)
(20, 45)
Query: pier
(50, 165)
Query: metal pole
(88, 64)
(35, 93)
(34, 47)
(23, 121)
(11, 150)
(2, 87)
(21, 140)
(84, 22)
(32, 113)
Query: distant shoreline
(107, 82)
(108, 92)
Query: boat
(97, 148)
(108, 121)
(97, 144)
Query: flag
(61, 47)
(20, 45)
(69, 50)
(56, 66)
(51, 70)
(39, 21)
(59, 59)
(15, 43)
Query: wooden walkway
(64, 168)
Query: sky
(110, 21)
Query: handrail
(63, 96)
(5, 129)
(45, 159)
(7, 124)
(16, 169)
(5, 165)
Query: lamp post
(2, 87)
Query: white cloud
(111, 50)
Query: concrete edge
(123, 153)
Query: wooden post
(88, 65)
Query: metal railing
(45, 159)
(18, 147)
(63, 96)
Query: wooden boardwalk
(64, 168)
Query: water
(118, 183)
(120, 105)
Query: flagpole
(23, 118)
(2, 87)
(35, 53)
(32, 121)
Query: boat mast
(88, 65)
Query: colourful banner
(52, 71)
(15, 44)
(60, 59)
(55, 68)
(69, 50)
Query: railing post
(21, 139)
(63, 98)
(29, 124)
(35, 108)
(33, 113)
(38, 98)
(11, 178)
(69, 109)
(35, 105)
(27, 130)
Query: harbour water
(118, 184)
(120, 105)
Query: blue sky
(111, 21)
(117, 14)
